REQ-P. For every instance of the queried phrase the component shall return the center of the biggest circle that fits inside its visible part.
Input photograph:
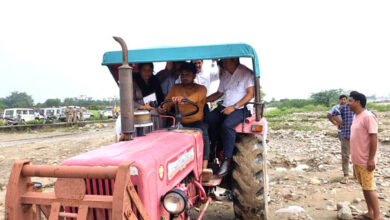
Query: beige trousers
(345, 154)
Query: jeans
(218, 121)
(206, 141)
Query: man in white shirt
(237, 86)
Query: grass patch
(95, 113)
(285, 111)
(380, 108)
(279, 118)
(34, 122)
(297, 126)
(96, 116)
(313, 108)
(323, 115)
(279, 126)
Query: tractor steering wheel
(177, 110)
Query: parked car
(108, 112)
(14, 116)
(87, 115)
(45, 112)
(61, 115)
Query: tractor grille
(100, 187)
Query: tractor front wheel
(250, 191)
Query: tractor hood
(174, 152)
(158, 144)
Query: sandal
(362, 217)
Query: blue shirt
(167, 84)
(334, 109)
(347, 117)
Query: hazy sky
(54, 49)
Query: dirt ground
(304, 164)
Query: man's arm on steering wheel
(198, 98)
(175, 99)
(167, 106)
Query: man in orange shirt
(195, 93)
(364, 144)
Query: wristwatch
(236, 106)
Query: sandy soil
(316, 188)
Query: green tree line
(22, 99)
(319, 101)
(324, 98)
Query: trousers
(219, 122)
(205, 134)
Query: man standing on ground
(69, 115)
(344, 136)
(81, 113)
(336, 108)
(74, 114)
(364, 144)
(238, 86)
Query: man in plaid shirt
(345, 133)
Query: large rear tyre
(250, 188)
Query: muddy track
(49, 138)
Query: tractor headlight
(175, 201)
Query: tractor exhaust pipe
(126, 92)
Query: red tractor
(156, 176)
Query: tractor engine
(162, 162)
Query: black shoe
(226, 166)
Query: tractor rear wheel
(250, 189)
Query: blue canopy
(185, 53)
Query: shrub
(96, 107)
(312, 107)
(1, 122)
(95, 116)
(34, 122)
(291, 103)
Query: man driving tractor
(196, 93)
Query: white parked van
(44, 112)
(24, 114)
(108, 112)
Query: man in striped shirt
(345, 133)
